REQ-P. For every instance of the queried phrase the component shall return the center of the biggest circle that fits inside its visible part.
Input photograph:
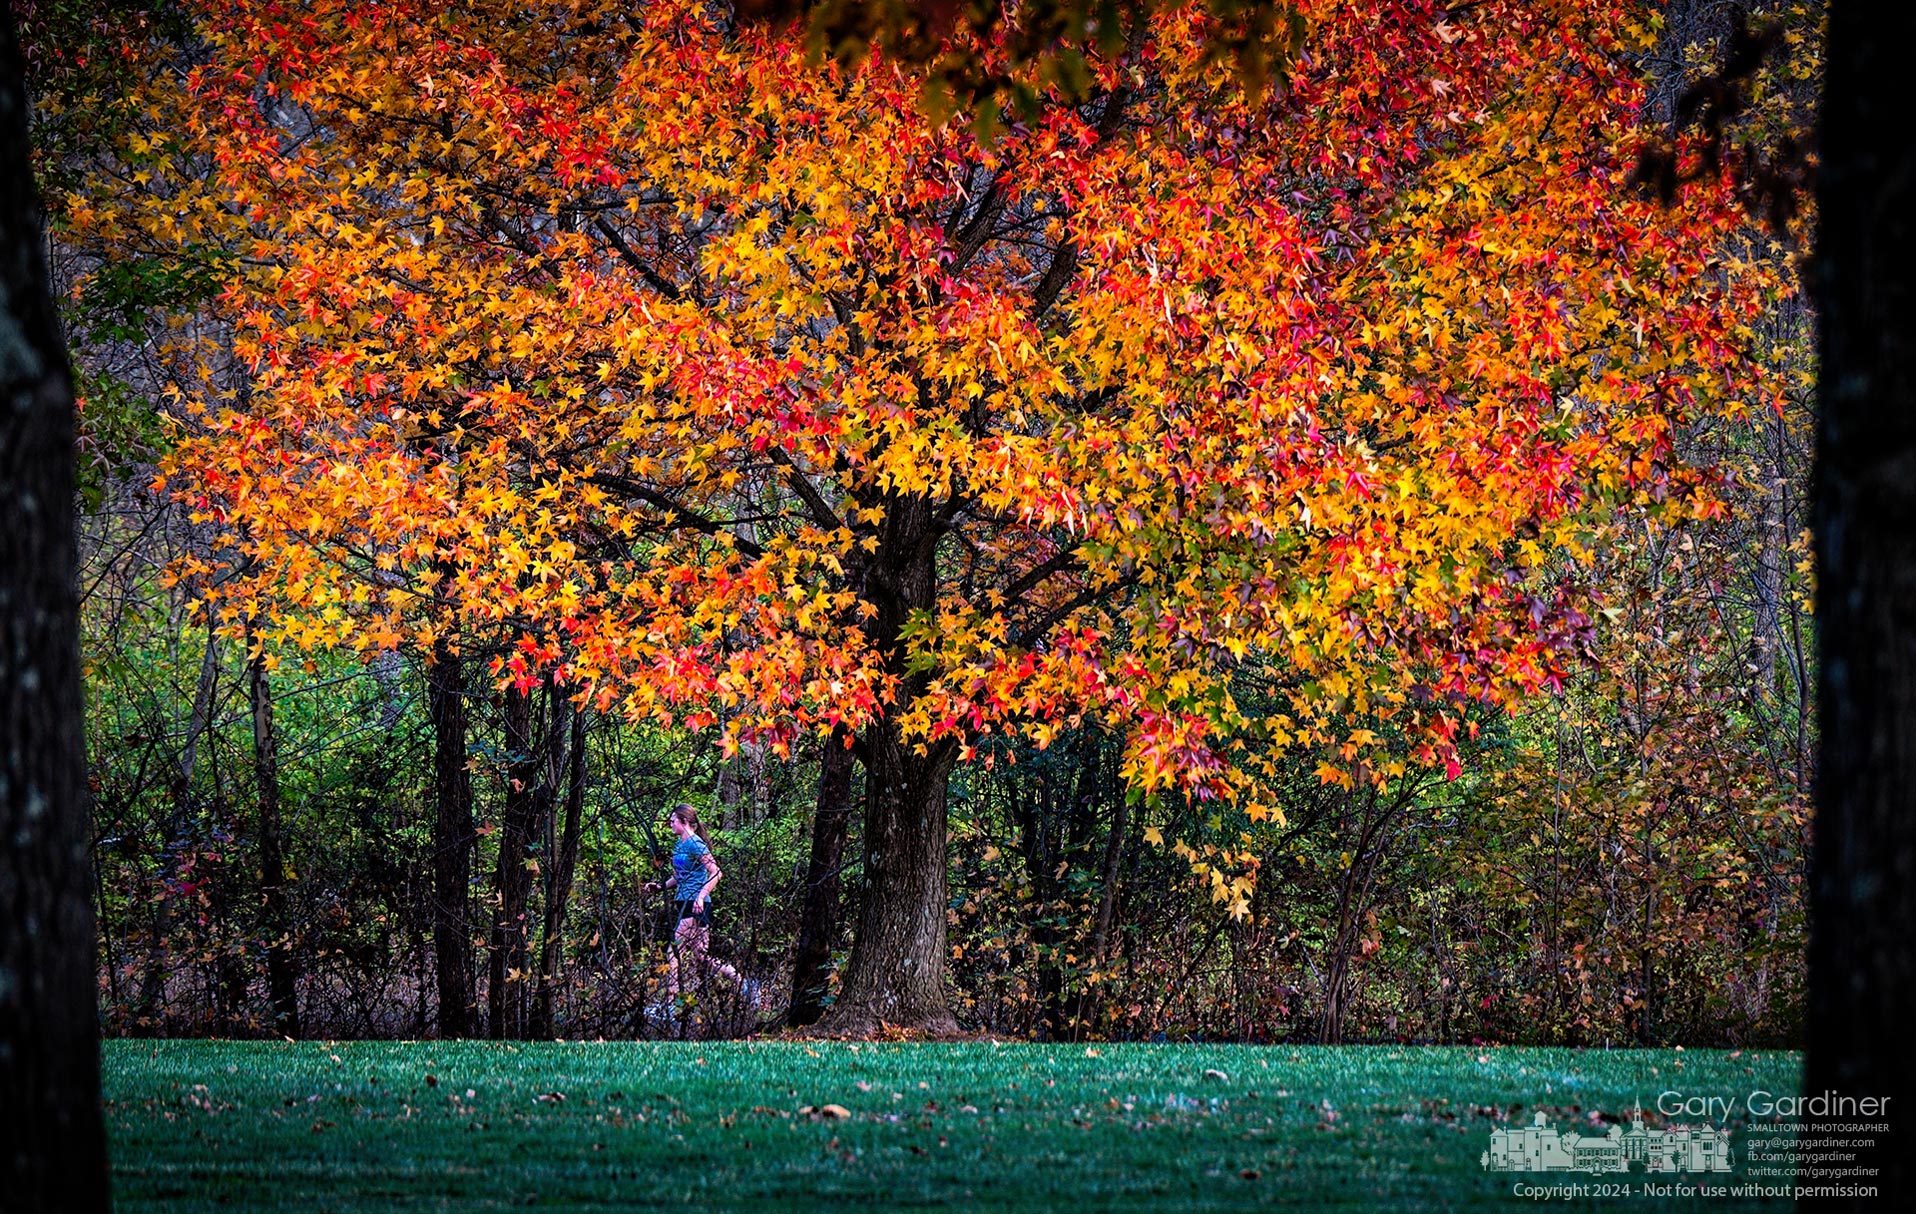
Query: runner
(695, 874)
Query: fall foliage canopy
(726, 387)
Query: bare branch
(657, 281)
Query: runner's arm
(712, 875)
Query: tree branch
(1044, 623)
(657, 281)
(975, 234)
(1060, 561)
(692, 518)
(822, 513)
(1064, 263)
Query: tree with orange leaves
(736, 392)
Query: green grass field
(706, 1126)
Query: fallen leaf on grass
(830, 1112)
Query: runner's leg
(681, 941)
(707, 961)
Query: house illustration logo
(1539, 1148)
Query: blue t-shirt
(688, 865)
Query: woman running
(695, 874)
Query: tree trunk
(1355, 902)
(1090, 1005)
(506, 950)
(1079, 814)
(51, 1133)
(896, 972)
(743, 794)
(151, 1009)
(1646, 1010)
(731, 789)
(559, 886)
(530, 786)
(1109, 871)
(818, 921)
(282, 965)
(1035, 810)
(1337, 955)
(452, 842)
(1863, 861)
(199, 717)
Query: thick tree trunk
(559, 883)
(282, 965)
(818, 921)
(896, 972)
(452, 841)
(1863, 861)
(52, 1139)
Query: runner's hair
(690, 816)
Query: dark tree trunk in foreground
(559, 882)
(896, 972)
(1863, 862)
(282, 965)
(51, 1135)
(818, 917)
(451, 842)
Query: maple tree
(728, 389)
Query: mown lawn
(380, 1126)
